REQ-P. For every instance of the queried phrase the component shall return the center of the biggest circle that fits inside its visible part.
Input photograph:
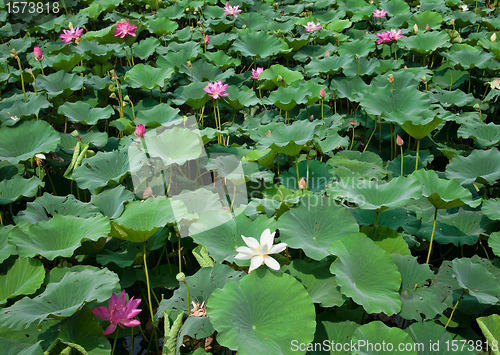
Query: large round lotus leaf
(374, 334)
(222, 60)
(477, 280)
(469, 59)
(338, 333)
(286, 98)
(101, 53)
(192, 95)
(160, 114)
(262, 313)
(162, 25)
(49, 205)
(485, 134)
(327, 65)
(426, 42)
(239, 98)
(490, 326)
(62, 297)
(141, 219)
(443, 194)
(372, 282)
(315, 171)
(59, 83)
(145, 48)
(21, 109)
(101, 170)
(387, 238)
(84, 113)
(491, 208)
(222, 240)
(494, 242)
(280, 76)
(147, 77)
(318, 281)
(288, 139)
(432, 338)
(431, 18)
(348, 163)
(451, 98)
(201, 70)
(257, 44)
(23, 141)
(349, 87)
(461, 228)
(111, 202)
(360, 67)
(23, 278)
(175, 146)
(315, 225)
(59, 236)
(482, 166)
(11, 190)
(6, 249)
(201, 285)
(418, 301)
(360, 47)
(369, 195)
(445, 76)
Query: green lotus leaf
(253, 21)
(17, 147)
(62, 298)
(426, 42)
(102, 170)
(201, 285)
(289, 139)
(387, 239)
(101, 53)
(196, 328)
(222, 40)
(361, 47)
(445, 75)
(23, 278)
(22, 109)
(6, 249)
(315, 225)
(431, 18)
(61, 61)
(145, 48)
(192, 95)
(296, 43)
(111, 202)
(361, 66)
(147, 77)
(161, 114)
(84, 113)
(490, 326)
(371, 282)
(201, 70)
(430, 334)
(469, 59)
(485, 134)
(82, 330)
(403, 79)
(331, 142)
(333, 333)
(491, 208)
(328, 65)
(178, 59)
(59, 83)
(378, 333)
(93, 137)
(318, 281)
(316, 180)
(461, 228)
(59, 236)
(443, 194)
(222, 60)
(257, 44)
(349, 87)
(279, 75)
(449, 98)
(371, 196)
(13, 189)
(162, 25)
(19, 342)
(141, 219)
(482, 166)
(350, 163)
(224, 237)
(286, 98)
(477, 280)
(239, 99)
(175, 146)
(246, 318)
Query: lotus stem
(401, 160)
(131, 342)
(352, 140)
(147, 281)
(369, 139)
(307, 173)
(432, 236)
(481, 243)
(179, 252)
(297, 168)
(418, 148)
(22, 79)
(322, 108)
(114, 343)
(453, 311)
(376, 220)
(41, 67)
(1, 221)
(469, 81)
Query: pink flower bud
(140, 130)
(302, 184)
(38, 54)
(399, 140)
(427, 27)
(322, 92)
(327, 53)
(268, 133)
(207, 40)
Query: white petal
(278, 248)
(273, 264)
(243, 255)
(256, 262)
(267, 238)
(264, 249)
(251, 242)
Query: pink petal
(101, 312)
(131, 323)
(110, 329)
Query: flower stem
(432, 236)
(41, 67)
(297, 168)
(147, 281)
(179, 245)
(22, 79)
(114, 343)
(418, 148)
(322, 108)
(401, 160)
(453, 311)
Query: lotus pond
(259, 177)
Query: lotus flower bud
(140, 130)
(427, 27)
(322, 92)
(207, 40)
(390, 77)
(302, 184)
(126, 98)
(493, 37)
(415, 29)
(112, 96)
(268, 133)
(181, 277)
(189, 64)
(399, 140)
(327, 53)
(38, 54)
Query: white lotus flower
(259, 253)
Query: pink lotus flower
(230, 10)
(207, 40)
(322, 92)
(389, 36)
(124, 28)
(379, 13)
(216, 89)
(119, 312)
(256, 73)
(140, 130)
(71, 34)
(311, 27)
(38, 54)
(302, 184)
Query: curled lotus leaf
(481, 166)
